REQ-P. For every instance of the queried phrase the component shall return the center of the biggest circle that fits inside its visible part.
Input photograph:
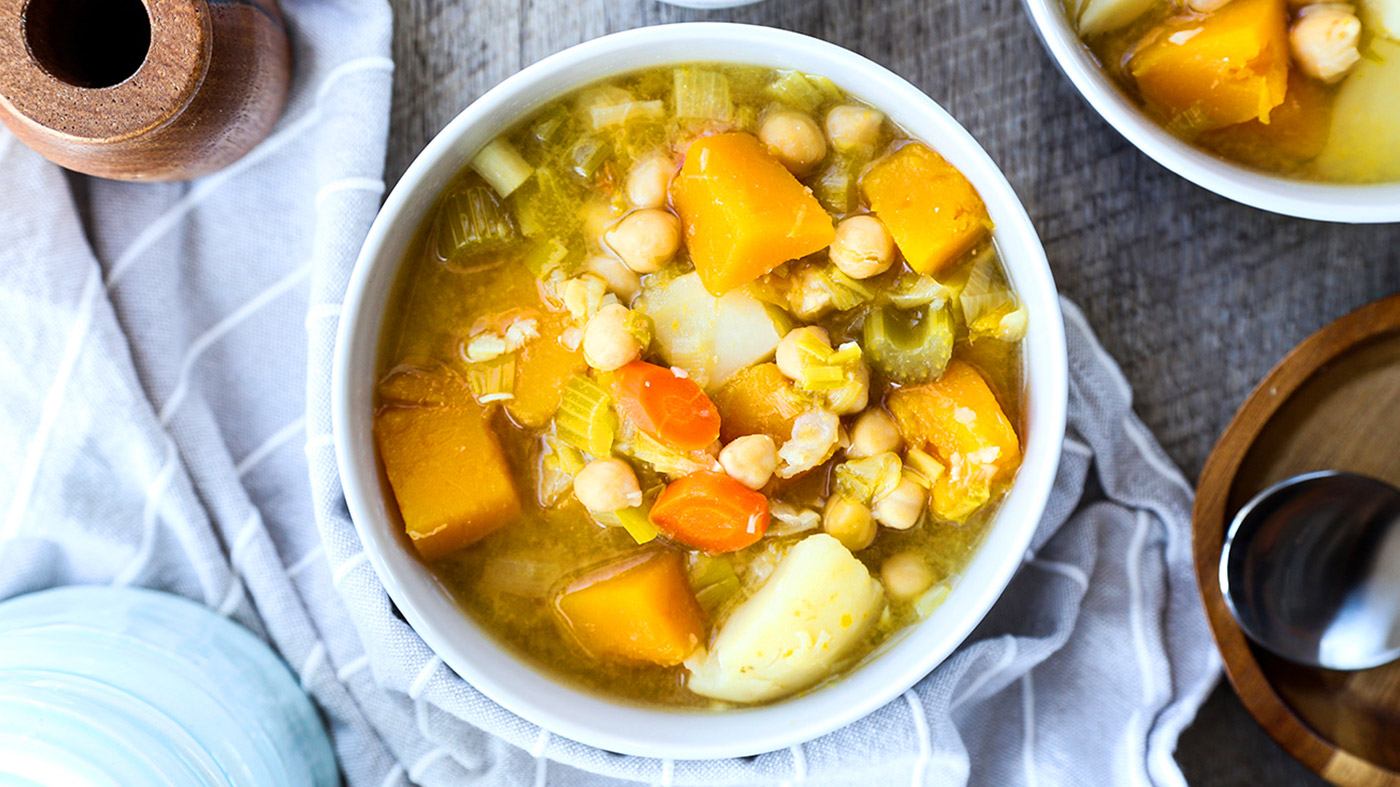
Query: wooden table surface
(1195, 296)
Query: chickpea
(794, 139)
(1206, 6)
(1324, 41)
(862, 248)
(645, 239)
(851, 127)
(607, 345)
(902, 507)
(750, 459)
(848, 522)
(853, 395)
(606, 485)
(789, 354)
(650, 180)
(874, 433)
(621, 280)
(906, 575)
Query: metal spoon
(1311, 570)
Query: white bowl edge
(1371, 203)
(572, 712)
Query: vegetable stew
(700, 382)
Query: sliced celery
(502, 166)
(909, 347)
(665, 459)
(551, 129)
(713, 580)
(712, 597)
(493, 380)
(989, 308)
(588, 155)
(548, 207)
(585, 419)
(639, 326)
(473, 221)
(638, 524)
(702, 94)
(931, 599)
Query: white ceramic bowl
(1357, 204)
(598, 721)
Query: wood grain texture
(1195, 296)
(211, 86)
(1331, 404)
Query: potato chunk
(957, 419)
(1225, 68)
(933, 212)
(640, 608)
(447, 471)
(743, 213)
(811, 613)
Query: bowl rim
(1351, 203)
(574, 712)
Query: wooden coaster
(1332, 404)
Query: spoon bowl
(1311, 570)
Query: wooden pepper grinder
(142, 89)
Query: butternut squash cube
(448, 473)
(933, 212)
(1225, 68)
(1297, 130)
(957, 419)
(743, 213)
(758, 400)
(640, 608)
(542, 367)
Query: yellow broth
(433, 304)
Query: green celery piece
(712, 597)
(637, 522)
(588, 155)
(473, 221)
(585, 419)
(909, 347)
(701, 94)
(870, 478)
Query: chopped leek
(835, 187)
(493, 380)
(713, 580)
(922, 467)
(619, 114)
(912, 290)
(909, 347)
(846, 293)
(587, 156)
(792, 519)
(665, 459)
(702, 95)
(548, 206)
(639, 327)
(585, 419)
(870, 478)
(550, 129)
(559, 463)
(796, 90)
(988, 306)
(473, 221)
(502, 166)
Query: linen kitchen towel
(165, 356)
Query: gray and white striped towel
(164, 421)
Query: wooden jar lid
(1332, 404)
(142, 89)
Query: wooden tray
(1332, 404)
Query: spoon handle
(142, 89)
